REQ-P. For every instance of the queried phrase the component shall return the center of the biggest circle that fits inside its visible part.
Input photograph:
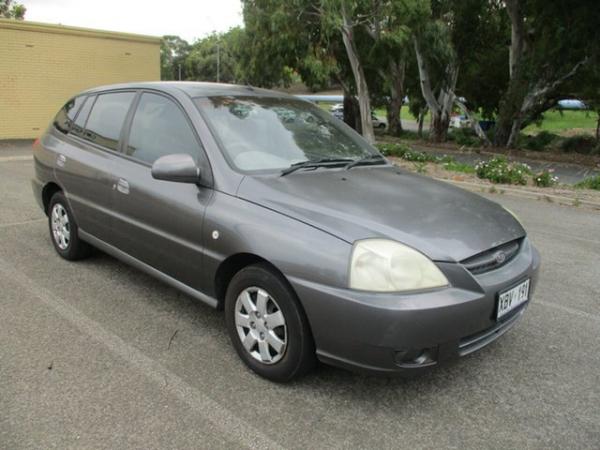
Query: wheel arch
(48, 191)
(232, 265)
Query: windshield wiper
(310, 163)
(369, 159)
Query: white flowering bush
(545, 178)
(499, 170)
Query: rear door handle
(61, 160)
(122, 186)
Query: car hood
(442, 221)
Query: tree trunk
(438, 130)
(523, 102)
(474, 122)
(351, 111)
(511, 103)
(421, 119)
(598, 130)
(394, 109)
(441, 107)
(362, 89)
(517, 37)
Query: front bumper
(405, 333)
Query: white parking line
(534, 231)
(575, 312)
(15, 158)
(232, 427)
(25, 222)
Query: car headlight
(382, 265)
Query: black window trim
(96, 95)
(203, 160)
(64, 133)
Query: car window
(79, 124)
(267, 133)
(106, 119)
(160, 128)
(64, 118)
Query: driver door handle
(122, 186)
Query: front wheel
(267, 325)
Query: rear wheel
(64, 230)
(267, 325)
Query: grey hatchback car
(258, 203)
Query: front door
(159, 222)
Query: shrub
(581, 143)
(499, 170)
(405, 152)
(537, 142)
(545, 178)
(590, 183)
(398, 150)
(464, 136)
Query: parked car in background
(338, 107)
(571, 104)
(459, 121)
(263, 205)
(378, 122)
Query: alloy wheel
(61, 229)
(260, 325)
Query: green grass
(556, 122)
(404, 114)
(590, 183)
(455, 166)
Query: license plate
(511, 299)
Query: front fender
(298, 250)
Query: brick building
(42, 66)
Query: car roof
(194, 89)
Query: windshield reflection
(269, 133)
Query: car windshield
(268, 133)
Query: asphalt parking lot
(95, 354)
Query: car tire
(297, 356)
(64, 232)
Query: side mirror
(180, 168)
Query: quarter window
(79, 124)
(159, 128)
(106, 119)
(64, 118)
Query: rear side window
(79, 124)
(106, 119)
(64, 118)
(159, 128)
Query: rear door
(85, 159)
(160, 222)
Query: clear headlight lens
(382, 265)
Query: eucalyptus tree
(214, 58)
(551, 43)
(436, 62)
(12, 10)
(173, 52)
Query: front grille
(479, 340)
(493, 258)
